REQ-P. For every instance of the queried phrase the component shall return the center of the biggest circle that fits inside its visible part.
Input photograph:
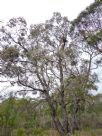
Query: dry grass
(52, 133)
(97, 132)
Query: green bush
(19, 132)
(39, 132)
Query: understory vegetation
(22, 117)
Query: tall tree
(89, 25)
(41, 59)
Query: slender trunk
(65, 123)
(63, 128)
(75, 116)
(62, 97)
(55, 119)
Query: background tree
(89, 25)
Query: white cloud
(36, 11)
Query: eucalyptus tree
(86, 30)
(41, 58)
(89, 25)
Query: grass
(52, 132)
(87, 132)
(97, 132)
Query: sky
(37, 11)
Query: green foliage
(20, 116)
(9, 53)
(91, 9)
(39, 132)
(94, 39)
(19, 132)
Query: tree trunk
(62, 129)
(54, 115)
(65, 119)
(62, 99)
